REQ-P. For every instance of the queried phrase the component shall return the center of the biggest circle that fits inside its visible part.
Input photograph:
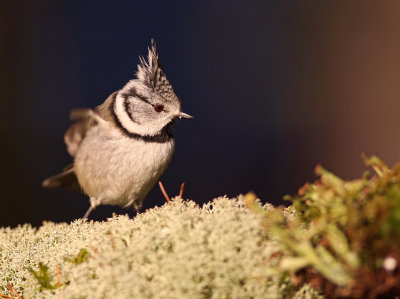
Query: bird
(122, 147)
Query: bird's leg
(88, 212)
(94, 202)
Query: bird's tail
(66, 180)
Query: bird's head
(147, 105)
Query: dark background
(276, 87)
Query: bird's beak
(184, 115)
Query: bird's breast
(119, 169)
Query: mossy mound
(342, 237)
(339, 237)
(220, 250)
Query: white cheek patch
(127, 123)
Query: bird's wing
(84, 120)
(75, 134)
(105, 110)
(73, 137)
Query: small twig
(164, 192)
(5, 296)
(95, 250)
(58, 274)
(10, 287)
(181, 191)
(59, 281)
(112, 240)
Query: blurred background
(276, 87)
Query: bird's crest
(151, 73)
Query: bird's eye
(159, 108)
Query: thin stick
(181, 191)
(164, 192)
(58, 273)
(10, 287)
(58, 276)
(5, 296)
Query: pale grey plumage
(122, 147)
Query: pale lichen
(220, 250)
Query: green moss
(81, 257)
(337, 233)
(43, 277)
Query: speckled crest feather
(151, 73)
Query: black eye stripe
(133, 93)
(143, 99)
(127, 110)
